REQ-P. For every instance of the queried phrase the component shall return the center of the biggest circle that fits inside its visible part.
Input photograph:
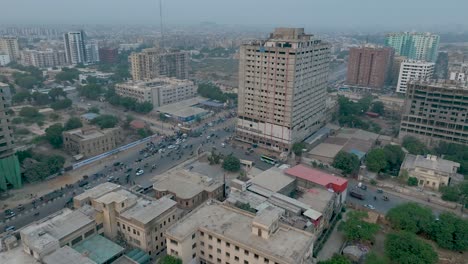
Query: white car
(171, 147)
(140, 172)
(370, 206)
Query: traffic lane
(381, 206)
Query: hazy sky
(308, 13)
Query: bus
(267, 159)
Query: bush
(412, 181)
(346, 162)
(105, 121)
(231, 163)
(407, 248)
(61, 104)
(410, 217)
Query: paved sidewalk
(333, 244)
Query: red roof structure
(318, 177)
(137, 124)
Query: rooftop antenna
(161, 23)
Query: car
(140, 172)
(87, 187)
(110, 178)
(370, 206)
(10, 228)
(171, 147)
(20, 207)
(116, 163)
(379, 191)
(208, 137)
(364, 187)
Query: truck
(357, 194)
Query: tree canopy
(91, 91)
(61, 104)
(348, 163)
(105, 121)
(67, 74)
(356, 229)
(54, 135)
(454, 152)
(298, 147)
(410, 217)
(450, 232)
(170, 260)
(387, 159)
(231, 163)
(72, 123)
(375, 160)
(378, 107)
(414, 146)
(213, 92)
(404, 247)
(336, 259)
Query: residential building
(188, 188)
(4, 59)
(10, 46)
(108, 55)
(369, 66)
(396, 66)
(139, 220)
(458, 72)
(414, 70)
(441, 66)
(282, 88)
(64, 228)
(91, 141)
(152, 63)
(414, 45)
(43, 59)
(431, 171)
(436, 111)
(75, 47)
(215, 233)
(92, 52)
(159, 91)
(10, 174)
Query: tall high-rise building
(75, 47)
(108, 55)
(9, 46)
(414, 70)
(414, 46)
(153, 63)
(282, 88)
(369, 66)
(92, 52)
(436, 111)
(10, 172)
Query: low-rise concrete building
(215, 233)
(91, 141)
(160, 91)
(431, 171)
(189, 188)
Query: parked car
(10, 228)
(140, 172)
(370, 206)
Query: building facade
(282, 88)
(215, 233)
(431, 171)
(75, 47)
(369, 66)
(10, 46)
(414, 45)
(90, 141)
(414, 70)
(152, 63)
(4, 59)
(92, 52)
(436, 111)
(108, 55)
(43, 59)
(159, 91)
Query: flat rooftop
(144, 211)
(317, 198)
(286, 243)
(98, 191)
(272, 179)
(67, 255)
(117, 196)
(185, 108)
(326, 150)
(90, 133)
(17, 256)
(184, 184)
(98, 248)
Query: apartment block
(414, 45)
(215, 233)
(189, 189)
(6, 137)
(43, 59)
(369, 66)
(75, 47)
(414, 70)
(139, 220)
(91, 141)
(4, 59)
(108, 55)
(282, 88)
(436, 111)
(431, 171)
(92, 52)
(152, 63)
(10, 46)
(159, 91)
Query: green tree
(67, 74)
(144, 107)
(55, 163)
(454, 152)
(410, 217)
(54, 135)
(231, 163)
(144, 132)
(40, 98)
(162, 117)
(414, 146)
(356, 229)
(412, 181)
(23, 154)
(27, 81)
(394, 156)
(105, 121)
(336, 259)
(72, 123)
(94, 110)
(29, 112)
(346, 162)
(378, 107)
(406, 248)
(56, 93)
(20, 97)
(34, 172)
(373, 258)
(91, 91)
(61, 104)
(450, 232)
(170, 260)
(375, 160)
(298, 147)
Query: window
(228, 244)
(202, 252)
(194, 245)
(194, 255)
(227, 254)
(174, 242)
(210, 237)
(219, 260)
(246, 262)
(219, 241)
(218, 250)
(246, 252)
(118, 224)
(193, 236)
(100, 226)
(202, 234)
(210, 246)
(210, 256)
(266, 260)
(237, 248)
(255, 256)
(202, 243)
(236, 258)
